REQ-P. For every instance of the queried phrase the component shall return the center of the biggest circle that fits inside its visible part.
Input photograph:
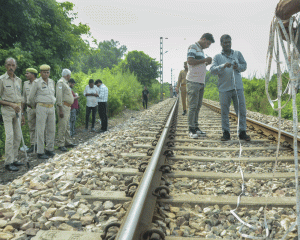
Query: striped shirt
(103, 93)
(196, 73)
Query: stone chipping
(216, 221)
(47, 197)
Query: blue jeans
(239, 104)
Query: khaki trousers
(31, 117)
(63, 127)
(12, 133)
(183, 97)
(45, 121)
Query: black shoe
(30, 150)
(49, 153)
(199, 132)
(11, 167)
(184, 113)
(42, 156)
(71, 145)
(17, 164)
(63, 149)
(244, 136)
(226, 136)
(102, 131)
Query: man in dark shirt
(145, 96)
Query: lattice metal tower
(172, 77)
(161, 69)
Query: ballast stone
(63, 235)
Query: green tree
(142, 65)
(107, 55)
(44, 29)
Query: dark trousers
(145, 103)
(102, 110)
(87, 116)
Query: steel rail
(129, 226)
(259, 126)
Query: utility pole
(161, 69)
(171, 77)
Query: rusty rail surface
(262, 128)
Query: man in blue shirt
(228, 65)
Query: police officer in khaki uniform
(31, 75)
(182, 84)
(12, 103)
(42, 97)
(64, 101)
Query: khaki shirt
(26, 90)
(11, 90)
(63, 92)
(181, 78)
(41, 92)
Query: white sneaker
(200, 133)
(22, 148)
(193, 134)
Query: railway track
(182, 188)
(213, 191)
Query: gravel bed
(231, 167)
(233, 187)
(45, 197)
(217, 222)
(287, 125)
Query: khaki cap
(32, 70)
(45, 67)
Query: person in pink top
(74, 108)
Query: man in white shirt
(102, 104)
(91, 94)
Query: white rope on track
(292, 61)
(247, 224)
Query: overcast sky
(139, 24)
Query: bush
(123, 90)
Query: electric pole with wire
(161, 70)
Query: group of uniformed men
(38, 99)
